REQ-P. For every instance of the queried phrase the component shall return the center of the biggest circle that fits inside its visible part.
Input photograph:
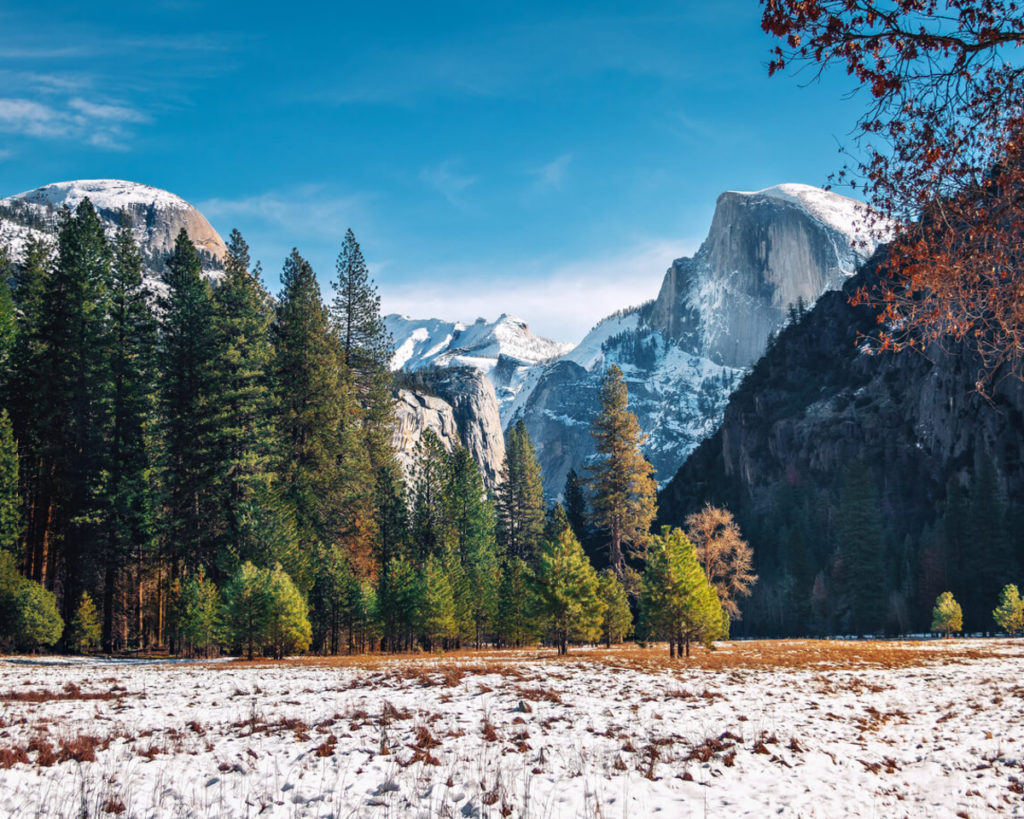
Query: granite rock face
(458, 404)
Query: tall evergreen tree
(617, 620)
(72, 413)
(624, 490)
(26, 394)
(128, 494)
(472, 516)
(310, 401)
(245, 435)
(366, 348)
(516, 622)
(438, 617)
(520, 497)
(432, 529)
(187, 347)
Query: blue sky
(543, 159)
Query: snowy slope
(506, 350)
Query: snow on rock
(520, 734)
(434, 342)
(505, 350)
(154, 215)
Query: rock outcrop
(458, 404)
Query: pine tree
(1009, 614)
(472, 517)
(617, 622)
(432, 529)
(70, 405)
(10, 496)
(25, 395)
(404, 603)
(556, 522)
(245, 437)
(38, 622)
(85, 631)
(186, 380)
(392, 542)
(947, 615)
(520, 497)
(567, 591)
(28, 612)
(622, 482)
(128, 495)
(198, 614)
(516, 620)
(366, 347)
(288, 629)
(575, 504)
(313, 398)
(247, 608)
(677, 602)
(437, 617)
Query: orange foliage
(941, 147)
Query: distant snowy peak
(435, 342)
(154, 215)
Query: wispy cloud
(98, 123)
(98, 87)
(494, 62)
(446, 178)
(104, 111)
(308, 211)
(561, 300)
(551, 175)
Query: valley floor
(789, 728)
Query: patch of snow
(517, 734)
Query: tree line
(204, 467)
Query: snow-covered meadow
(790, 728)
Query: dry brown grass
(824, 655)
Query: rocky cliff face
(459, 405)
(818, 405)
(155, 217)
(684, 353)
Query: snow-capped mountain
(505, 350)
(683, 353)
(155, 217)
